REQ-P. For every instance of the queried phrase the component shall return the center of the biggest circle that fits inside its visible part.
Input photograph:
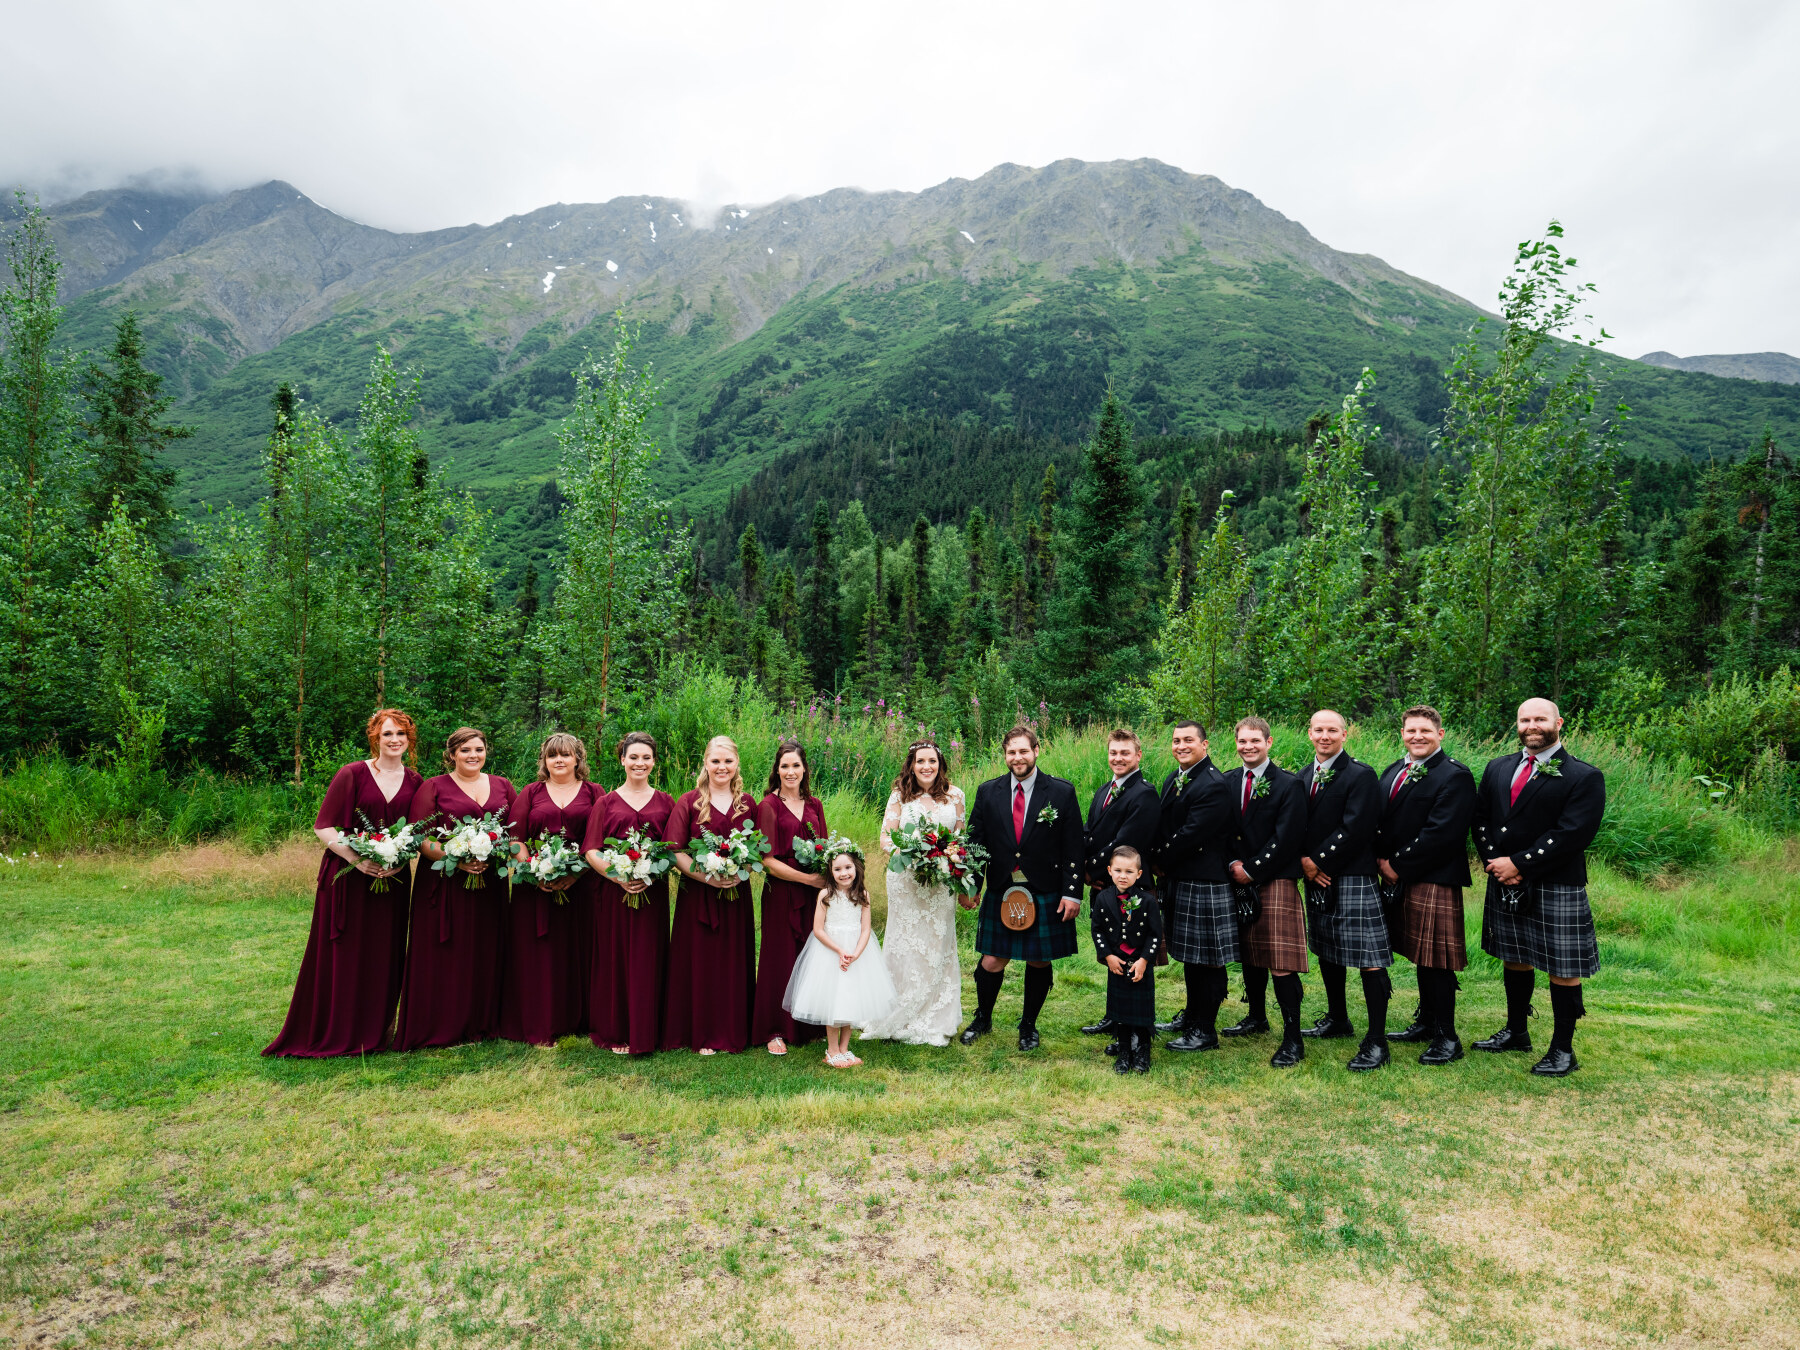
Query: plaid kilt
(1557, 937)
(1131, 1004)
(1431, 926)
(1277, 940)
(1353, 933)
(1201, 925)
(1048, 939)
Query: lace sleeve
(890, 821)
(962, 807)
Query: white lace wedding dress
(920, 942)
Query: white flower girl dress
(820, 993)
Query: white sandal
(777, 1046)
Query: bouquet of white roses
(734, 857)
(937, 856)
(815, 855)
(552, 858)
(639, 856)
(387, 846)
(471, 839)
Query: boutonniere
(1323, 776)
(1415, 773)
(1549, 768)
(1047, 816)
(1181, 781)
(1131, 902)
(1260, 788)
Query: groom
(1030, 824)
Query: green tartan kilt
(1048, 939)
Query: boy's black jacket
(1141, 929)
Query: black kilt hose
(1276, 940)
(1048, 939)
(1556, 936)
(1202, 925)
(1351, 930)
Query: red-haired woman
(350, 976)
(629, 959)
(712, 948)
(452, 991)
(543, 994)
(790, 895)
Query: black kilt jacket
(1547, 832)
(1269, 833)
(1196, 827)
(1141, 930)
(1049, 854)
(1130, 818)
(1425, 830)
(1342, 818)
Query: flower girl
(840, 980)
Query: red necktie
(1249, 787)
(1108, 801)
(1400, 780)
(1018, 812)
(1315, 786)
(1521, 778)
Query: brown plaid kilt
(1431, 926)
(1277, 939)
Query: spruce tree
(126, 434)
(871, 663)
(917, 604)
(821, 602)
(1178, 575)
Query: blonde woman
(711, 987)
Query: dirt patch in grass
(291, 866)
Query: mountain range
(1013, 299)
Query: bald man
(1535, 817)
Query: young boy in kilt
(1127, 926)
(1536, 815)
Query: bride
(920, 941)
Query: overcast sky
(1664, 136)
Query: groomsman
(1344, 923)
(1030, 824)
(1537, 813)
(1271, 808)
(1195, 836)
(1123, 814)
(1423, 851)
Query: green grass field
(161, 1184)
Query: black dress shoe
(1372, 1055)
(1556, 1064)
(1442, 1050)
(1175, 1023)
(1100, 1028)
(976, 1029)
(1505, 1039)
(1418, 1031)
(1329, 1028)
(1250, 1026)
(1292, 1051)
(1197, 1039)
(1028, 1038)
(1122, 1063)
(1140, 1056)
(1115, 1048)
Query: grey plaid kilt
(1557, 937)
(1048, 939)
(1353, 933)
(1129, 1003)
(1201, 924)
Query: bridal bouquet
(471, 839)
(939, 856)
(737, 855)
(639, 856)
(552, 858)
(386, 846)
(815, 855)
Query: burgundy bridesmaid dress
(712, 947)
(787, 920)
(542, 994)
(349, 980)
(629, 958)
(453, 960)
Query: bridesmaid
(452, 989)
(629, 959)
(712, 949)
(543, 993)
(788, 812)
(349, 979)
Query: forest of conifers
(949, 576)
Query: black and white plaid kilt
(1353, 933)
(1201, 924)
(1556, 937)
(1129, 1003)
(1048, 939)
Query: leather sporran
(1515, 901)
(1018, 911)
(1321, 899)
(1246, 903)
